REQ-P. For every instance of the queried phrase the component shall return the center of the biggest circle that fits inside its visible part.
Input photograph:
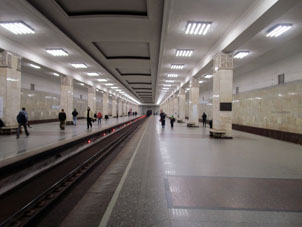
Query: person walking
(204, 120)
(62, 119)
(172, 120)
(89, 117)
(75, 117)
(22, 121)
(99, 116)
(162, 118)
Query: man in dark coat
(22, 121)
(162, 118)
(204, 120)
(62, 119)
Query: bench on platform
(217, 133)
(7, 130)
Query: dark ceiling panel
(103, 7)
(134, 72)
(124, 50)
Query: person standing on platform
(204, 120)
(162, 118)
(62, 119)
(99, 116)
(89, 117)
(75, 116)
(172, 120)
(22, 121)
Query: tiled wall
(278, 108)
(40, 105)
(80, 105)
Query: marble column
(10, 88)
(182, 105)
(92, 99)
(175, 106)
(193, 103)
(222, 93)
(114, 103)
(124, 108)
(105, 103)
(120, 108)
(66, 97)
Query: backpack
(21, 118)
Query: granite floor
(181, 177)
(42, 135)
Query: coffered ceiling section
(122, 36)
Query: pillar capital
(8, 60)
(194, 83)
(66, 80)
(223, 61)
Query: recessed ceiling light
(184, 53)
(169, 81)
(79, 66)
(177, 66)
(93, 74)
(172, 75)
(208, 76)
(187, 89)
(114, 87)
(201, 81)
(197, 27)
(102, 80)
(241, 54)
(118, 90)
(109, 84)
(81, 84)
(35, 66)
(278, 29)
(55, 74)
(18, 28)
(57, 52)
(167, 85)
(165, 88)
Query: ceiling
(133, 43)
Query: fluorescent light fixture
(169, 81)
(187, 89)
(57, 52)
(278, 29)
(201, 81)
(118, 90)
(177, 66)
(35, 66)
(55, 74)
(114, 87)
(197, 27)
(241, 54)
(173, 75)
(165, 88)
(81, 84)
(18, 28)
(79, 66)
(93, 74)
(208, 76)
(184, 53)
(109, 84)
(167, 85)
(102, 80)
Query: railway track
(26, 203)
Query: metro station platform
(45, 135)
(181, 177)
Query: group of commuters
(89, 115)
(172, 120)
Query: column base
(8, 130)
(192, 125)
(69, 122)
(219, 134)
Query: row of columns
(10, 93)
(222, 97)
